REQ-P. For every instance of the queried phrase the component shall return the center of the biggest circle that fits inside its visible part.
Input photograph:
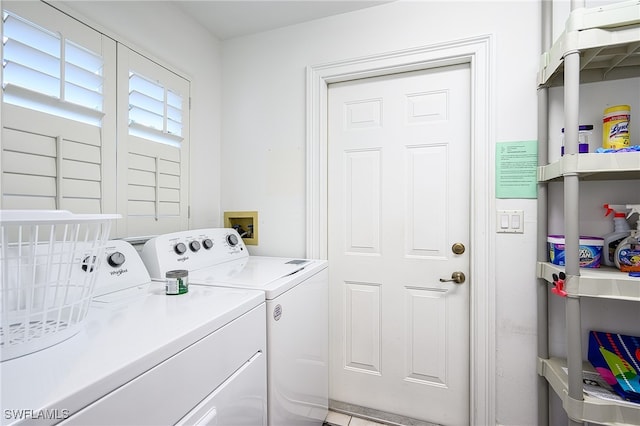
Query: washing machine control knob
(194, 246)
(232, 240)
(207, 244)
(180, 248)
(116, 259)
(88, 263)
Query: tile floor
(339, 419)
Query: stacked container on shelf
(627, 254)
(621, 230)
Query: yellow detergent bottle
(627, 255)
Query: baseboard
(375, 415)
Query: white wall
(163, 32)
(264, 141)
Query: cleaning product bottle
(627, 256)
(621, 230)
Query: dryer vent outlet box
(246, 223)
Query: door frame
(478, 53)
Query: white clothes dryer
(296, 292)
(147, 358)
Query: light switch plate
(510, 221)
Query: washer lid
(274, 275)
(118, 342)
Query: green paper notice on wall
(516, 169)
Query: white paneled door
(398, 195)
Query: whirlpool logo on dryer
(183, 259)
(119, 272)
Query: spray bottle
(627, 255)
(621, 230)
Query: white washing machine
(146, 358)
(296, 292)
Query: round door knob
(456, 277)
(458, 248)
(116, 259)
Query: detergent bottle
(627, 255)
(621, 230)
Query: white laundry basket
(47, 267)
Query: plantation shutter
(56, 114)
(153, 146)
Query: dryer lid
(253, 271)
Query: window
(155, 112)
(153, 146)
(89, 125)
(45, 71)
(58, 122)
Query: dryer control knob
(207, 244)
(232, 240)
(116, 259)
(194, 246)
(180, 248)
